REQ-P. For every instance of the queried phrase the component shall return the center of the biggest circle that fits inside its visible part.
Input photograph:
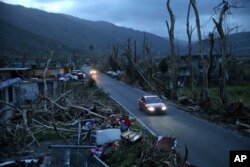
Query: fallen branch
(24, 115)
(99, 103)
(50, 127)
(55, 127)
(95, 92)
(54, 103)
(88, 111)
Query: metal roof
(9, 82)
(14, 69)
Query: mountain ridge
(72, 31)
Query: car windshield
(150, 100)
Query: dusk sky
(144, 15)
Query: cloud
(57, 6)
(146, 15)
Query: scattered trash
(244, 124)
(96, 123)
(191, 108)
(168, 163)
(104, 136)
(90, 125)
(125, 123)
(115, 145)
(114, 121)
(166, 143)
(131, 135)
(26, 162)
(97, 151)
(186, 101)
(108, 148)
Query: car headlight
(164, 108)
(151, 109)
(93, 71)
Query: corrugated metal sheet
(9, 82)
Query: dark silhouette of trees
(163, 65)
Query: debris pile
(82, 118)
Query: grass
(234, 94)
(49, 136)
(126, 155)
(241, 93)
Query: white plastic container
(105, 136)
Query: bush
(91, 82)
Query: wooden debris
(186, 101)
(166, 143)
(88, 111)
(66, 117)
(131, 135)
(243, 123)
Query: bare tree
(115, 51)
(204, 91)
(223, 43)
(45, 89)
(114, 62)
(210, 56)
(190, 30)
(147, 48)
(170, 27)
(224, 9)
(128, 53)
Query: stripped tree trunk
(190, 67)
(44, 79)
(211, 57)
(147, 48)
(224, 63)
(170, 27)
(128, 53)
(204, 90)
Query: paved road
(209, 144)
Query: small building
(7, 73)
(8, 92)
(52, 72)
(197, 66)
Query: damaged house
(21, 85)
(7, 92)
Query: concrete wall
(28, 91)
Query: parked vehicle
(116, 74)
(152, 104)
(112, 74)
(79, 74)
(74, 77)
(67, 77)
